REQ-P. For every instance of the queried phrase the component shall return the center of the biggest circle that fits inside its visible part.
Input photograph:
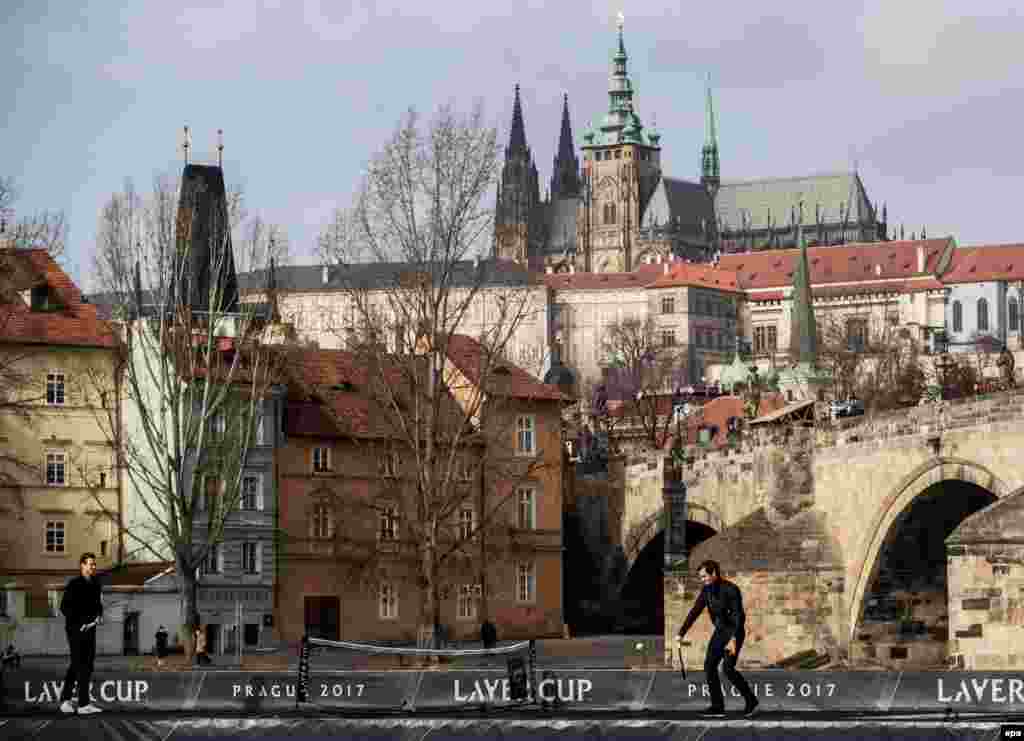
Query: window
(3, 603)
(467, 523)
(388, 601)
(56, 465)
(958, 317)
(55, 536)
(857, 334)
(214, 559)
(251, 558)
(982, 315)
(252, 634)
(765, 338)
(217, 426)
(525, 435)
(466, 609)
(212, 489)
(322, 527)
(668, 338)
(1013, 314)
(526, 507)
(388, 523)
(55, 389)
(53, 598)
(103, 548)
(525, 582)
(321, 460)
(258, 422)
(252, 494)
(609, 213)
(389, 464)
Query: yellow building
(59, 487)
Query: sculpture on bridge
(1006, 366)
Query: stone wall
(986, 606)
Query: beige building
(59, 487)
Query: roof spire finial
(186, 144)
(220, 147)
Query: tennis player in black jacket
(83, 611)
(725, 605)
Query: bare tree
(259, 244)
(194, 369)
(644, 374)
(414, 303)
(46, 230)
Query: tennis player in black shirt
(83, 611)
(725, 606)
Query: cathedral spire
(517, 137)
(709, 172)
(565, 178)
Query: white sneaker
(67, 707)
(89, 709)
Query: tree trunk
(430, 616)
(189, 588)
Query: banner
(1003, 692)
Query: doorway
(213, 639)
(321, 619)
(131, 634)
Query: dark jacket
(725, 605)
(81, 602)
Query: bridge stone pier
(895, 541)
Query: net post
(532, 658)
(301, 685)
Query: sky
(924, 96)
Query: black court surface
(523, 724)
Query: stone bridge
(811, 524)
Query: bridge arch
(914, 484)
(642, 533)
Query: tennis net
(520, 662)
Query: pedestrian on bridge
(724, 603)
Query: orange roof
(839, 264)
(73, 322)
(986, 263)
(692, 274)
(469, 356)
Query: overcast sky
(925, 95)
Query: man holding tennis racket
(83, 611)
(725, 605)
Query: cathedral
(619, 210)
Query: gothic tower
(565, 177)
(517, 217)
(621, 167)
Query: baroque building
(617, 209)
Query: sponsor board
(25, 690)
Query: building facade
(60, 493)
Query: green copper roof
(737, 373)
(621, 125)
(803, 330)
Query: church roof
(986, 263)
(674, 199)
(851, 263)
(748, 202)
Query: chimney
(549, 270)
(666, 268)
(325, 275)
(659, 259)
(572, 269)
(920, 258)
(878, 269)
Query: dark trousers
(83, 653)
(715, 655)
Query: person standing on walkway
(161, 646)
(82, 607)
(724, 602)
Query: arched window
(958, 317)
(609, 213)
(1013, 314)
(982, 315)
(321, 526)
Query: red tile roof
(470, 357)
(986, 263)
(716, 413)
(75, 322)
(837, 264)
(691, 274)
